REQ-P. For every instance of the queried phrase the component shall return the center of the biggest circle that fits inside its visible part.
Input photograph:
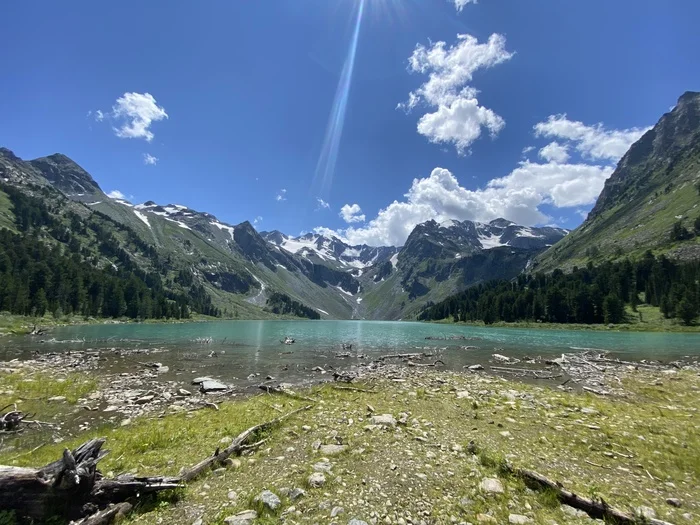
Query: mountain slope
(656, 185)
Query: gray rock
(212, 386)
(355, 521)
(518, 519)
(269, 499)
(242, 518)
(646, 512)
(322, 466)
(476, 367)
(491, 485)
(574, 513)
(386, 420)
(57, 399)
(144, 400)
(232, 495)
(316, 480)
(198, 521)
(332, 450)
(295, 494)
(183, 392)
(337, 511)
(674, 502)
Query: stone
(332, 450)
(337, 511)
(296, 493)
(183, 392)
(306, 428)
(474, 368)
(491, 485)
(57, 399)
(232, 495)
(219, 471)
(485, 518)
(198, 521)
(235, 463)
(518, 519)
(247, 517)
(386, 420)
(463, 394)
(322, 466)
(674, 502)
(212, 386)
(269, 499)
(355, 521)
(646, 512)
(144, 400)
(125, 422)
(316, 480)
(589, 411)
(574, 513)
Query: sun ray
(325, 167)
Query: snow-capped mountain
(330, 250)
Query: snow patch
(282, 266)
(490, 241)
(359, 300)
(143, 218)
(344, 291)
(351, 252)
(322, 311)
(394, 259)
(222, 227)
(94, 203)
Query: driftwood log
(595, 509)
(73, 488)
(10, 421)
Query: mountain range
(651, 201)
(240, 268)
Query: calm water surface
(253, 347)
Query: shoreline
(526, 325)
(407, 444)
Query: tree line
(281, 304)
(74, 265)
(594, 294)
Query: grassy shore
(633, 451)
(645, 319)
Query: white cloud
(116, 194)
(149, 159)
(593, 142)
(282, 195)
(516, 197)
(322, 204)
(352, 213)
(99, 116)
(528, 150)
(134, 113)
(555, 152)
(457, 117)
(461, 4)
(257, 220)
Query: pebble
(386, 420)
(355, 521)
(316, 480)
(485, 518)
(518, 519)
(492, 485)
(232, 495)
(269, 499)
(336, 511)
(332, 450)
(242, 518)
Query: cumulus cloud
(133, 114)
(322, 204)
(555, 152)
(116, 194)
(461, 4)
(352, 213)
(592, 142)
(257, 220)
(282, 195)
(456, 117)
(516, 196)
(149, 159)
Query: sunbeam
(325, 168)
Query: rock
(316, 480)
(322, 466)
(219, 471)
(370, 408)
(235, 463)
(306, 428)
(144, 400)
(57, 399)
(126, 422)
(518, 519)
(645, 512)
(336, 511)
(674, 502)
(589, 411)
(485, 518)
(474, 368)
(491, 485)
(242, 518)
(464, 394)
(212, 386)
(269, 499)
(403, 418)
(386, 420)
(316, 444)
(183, 392)
(198, 521)
(332, 450)
(574, 513)
(355, 521)
(295, 494)
(232, 495)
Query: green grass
(435, 477)
(7, 218)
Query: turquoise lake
(243, 348)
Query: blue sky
(440, 103)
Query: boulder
(247, 517)
(316, 480)
(385, 420)
(491, 485)
(269, 499)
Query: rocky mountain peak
(66, 175)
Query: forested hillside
(594, 294)
(75, 265)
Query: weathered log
(11, 420)
(595, 509)
(238, 444)
(107, 516)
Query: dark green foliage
(679, 233)
(46, 268)
(595, 294)
(696, 226)
(281, 304)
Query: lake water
(253, 347)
